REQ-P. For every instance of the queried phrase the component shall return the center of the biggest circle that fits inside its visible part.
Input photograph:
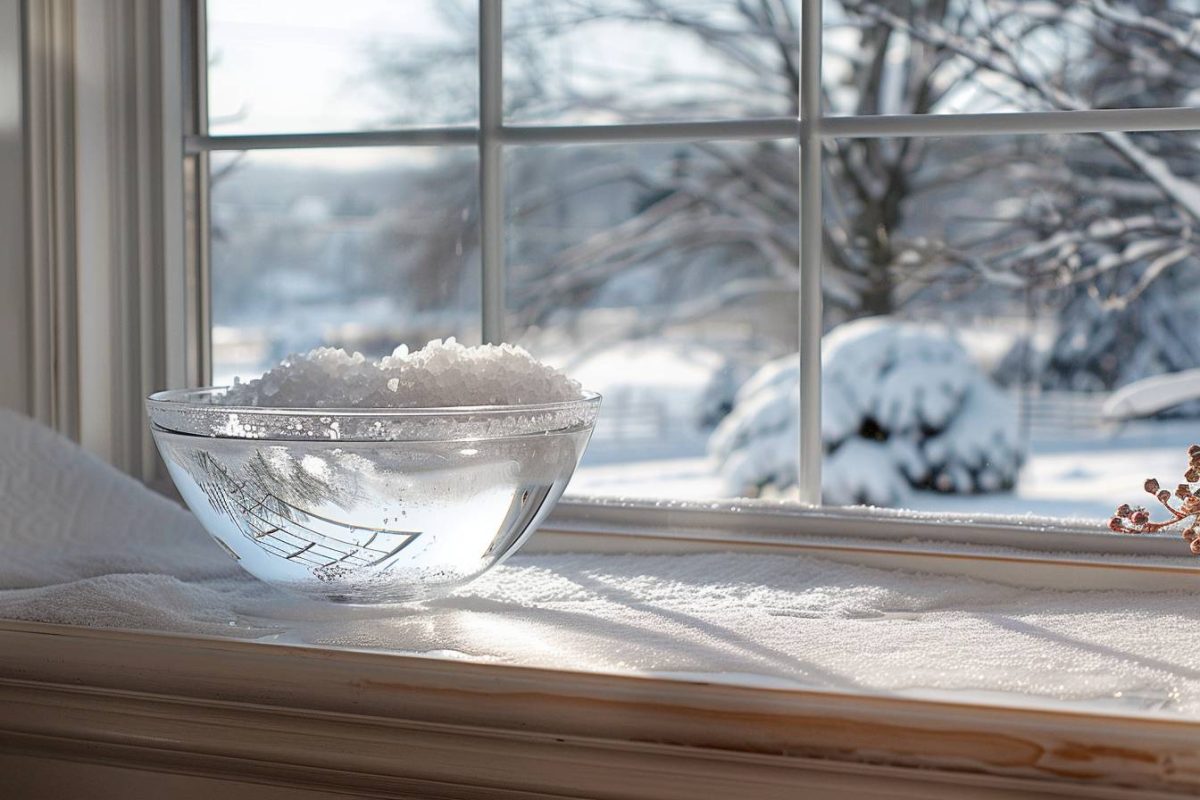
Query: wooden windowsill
(387, 724)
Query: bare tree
(1108, 239)
(1101, 220)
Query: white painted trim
(176, 298)
(811, 448)
(371, 722)
(100, 240)
(493, 298)
(49, 86)
(105, 219)
(1098, 120)
(407, 137)
(14, 271)
(192, 105)
(736, 519)
(1128, 120)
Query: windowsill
(371, 722)
(368, 719)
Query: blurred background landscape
(1000, 309)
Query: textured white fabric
(65, 514)
(81, 544)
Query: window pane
(883, 57)
(600, 61)
(362, 248)
(662, 276)
(303, 66)
(988, 300)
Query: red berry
(1124, 510)
(1115, 525)
(1140, 517)
(1151, 486)
(1195, 547)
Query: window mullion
(809, 478)
(491, 170)
(197, 280)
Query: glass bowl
(369, 505)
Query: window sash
(491, 136)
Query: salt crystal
(443, 373)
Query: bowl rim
(173, 398)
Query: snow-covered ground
(1084, 477)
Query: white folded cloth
(82, 544)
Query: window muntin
(508, 137)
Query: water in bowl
(370, 522)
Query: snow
(1151, 395)
(677, 379)
(89, 546)
(978, 450)
(758, 442)
(443, 373)
(855, 473)
(903, 405)
(662, 395)
(694, 478)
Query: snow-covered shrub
(720, 395)
(1021, 365)
(903, 407)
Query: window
(982, 213)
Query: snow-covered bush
(903, 407)
(720, 395)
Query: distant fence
(631, 420)
(628, 419)
(1061, 415)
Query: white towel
(82, 544)
(65, 515)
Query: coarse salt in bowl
(375, 482)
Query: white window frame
(112, 712)
(492, 135)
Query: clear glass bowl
(369, 505)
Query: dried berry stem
(1130, 519)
